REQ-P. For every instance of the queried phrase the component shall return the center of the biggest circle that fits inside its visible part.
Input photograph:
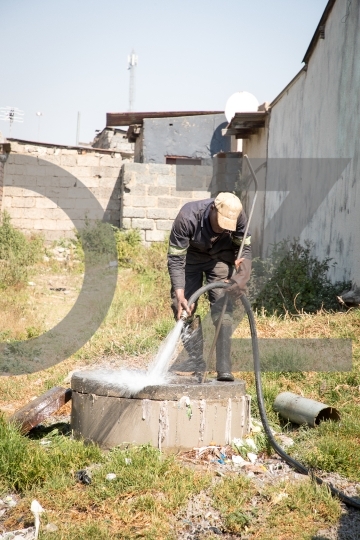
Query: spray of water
(133, 381)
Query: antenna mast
(11, 115)
(132, 60)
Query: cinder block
(64, 224)
(81, 172)
(159, 191)
(126, 223)
(154, 236)
(166, 180)
(22, 223)
(173, 212)
(85, 203)
(110, 172)
(159, 168)
(109, 161)
(184, 201)
(148, 179)
(113, 204)
(47, 181)
(143, 224)
(42, 202)
(164, 225)
(52, 192)
(157, 213)
(8, 200)
(65, 203)
(87, 160)
(23, 202)
(199, 195)
(130, 212)
(55, 160)
(51, 213)
(78, 193)
(108, 182)
(168, 202)
(34, 170)
(66, 181)
(90, 181)
(140, 190)
(143, 201)
(68, 161)
(176, 193)
(30, 181)
(45, 225)
(136, 167)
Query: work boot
(223, 349)
(192, 339)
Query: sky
(61, 57)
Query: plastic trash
(83, 477)
(110, 476)
(128, 461)
(252, 457)
(36, 510)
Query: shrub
(293, 280)
(18, 253)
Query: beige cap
(229, 208)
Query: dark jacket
(192, 240)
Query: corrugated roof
(128, 118)
(245, 124)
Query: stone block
(144, 201)
(143, 224)
(68, 151)
(126, 223)
(130, 212)
(30, 181)
(199, 195)
(81, 172)
(23, 223)
(16, 213)
(47, 181)
(113, 204)
(184, 201)
(43, 202)
(68, 161)
(87, 160)
(51, 213)
(52, 192)
(157, 213)
(154, 236)
(164, 225)
(136, 167)
(166, 180)
(55, 160)
(168, 202)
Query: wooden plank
(128, 118)
(41, 408)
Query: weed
(18, 253)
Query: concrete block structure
(52, 188)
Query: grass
(146, 495)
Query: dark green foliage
(98, 239)
(17, 253)
(293, 280)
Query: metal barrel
(302, 410)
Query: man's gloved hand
(240, 279)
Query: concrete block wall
(52, 189)
(151, 200)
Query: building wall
(52, 189)
(151, 200)
(318, 117)
(190, 136)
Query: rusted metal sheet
(128, 118)
(41, 408)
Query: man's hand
(240, 279)
(182, 303)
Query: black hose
(257, 370)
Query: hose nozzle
(184, 316)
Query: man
(204, 240)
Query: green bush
(293, 280)
(17, 253)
